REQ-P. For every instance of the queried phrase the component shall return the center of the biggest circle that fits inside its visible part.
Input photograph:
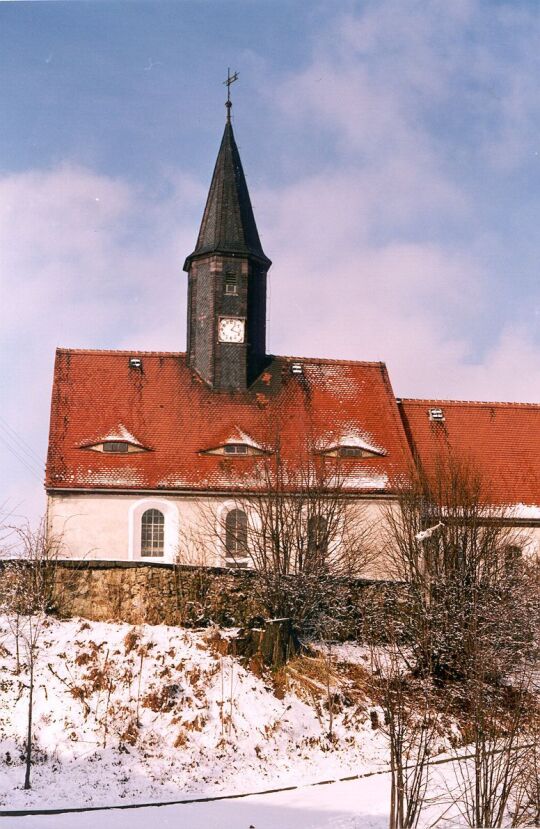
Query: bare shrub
(497, 732)
(411, 718)
(459, 558)
(131, 640)
(30, 593)
(302, 531)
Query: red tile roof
(503, 439)
(168, 409)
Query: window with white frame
(317, 539)
(236, 532)
(152, 533)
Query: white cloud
(371, 258)
(90, 262)
(370, 265)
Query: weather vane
(230, 80)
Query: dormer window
(236, 449)
(353, 452)
(351, 445)
(234, 441)
(117, 441)
(349, 452)
(116, 447)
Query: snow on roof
(176, 414)
(350, 437)
(118, 433)
(501, 439)
(525, 511)
(239, 436)
(365, 480)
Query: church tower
(227, 280)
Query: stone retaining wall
(159, 593)
(140, 592)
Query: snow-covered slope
(153, 713)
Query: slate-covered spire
(227, 278)
(228, 224)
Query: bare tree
(525, 801)
(470, 617)
(496, 727)
(30, 594)
(412, 715)
(302, 530)
(525, 808)
(460, 559)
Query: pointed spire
(228, 224)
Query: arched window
(152, 533)
(513, 560)
(236, 538)
(317, 539)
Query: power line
(16, 450)
(25, 447)
(34, 470)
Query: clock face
(231, 330)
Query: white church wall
(533, 547)
(108, 527)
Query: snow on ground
(358, 804)
(156, 713)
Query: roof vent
(297, 368)
(436, 415)
(135, 362)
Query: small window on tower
(231, 284)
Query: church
(140, 440)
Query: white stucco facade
(107, 526)
(103, 526)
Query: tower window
(231, 283)
(152, 533)
(236, 538)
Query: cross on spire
(230, 80)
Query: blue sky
(392, 150)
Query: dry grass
(83, 658)
(164, 700)
(217, 644)
(181, 739)
(131, 640)
(130, 734)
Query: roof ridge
(440, 401)
(284, 357)
(108, 351)
(328, 360)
